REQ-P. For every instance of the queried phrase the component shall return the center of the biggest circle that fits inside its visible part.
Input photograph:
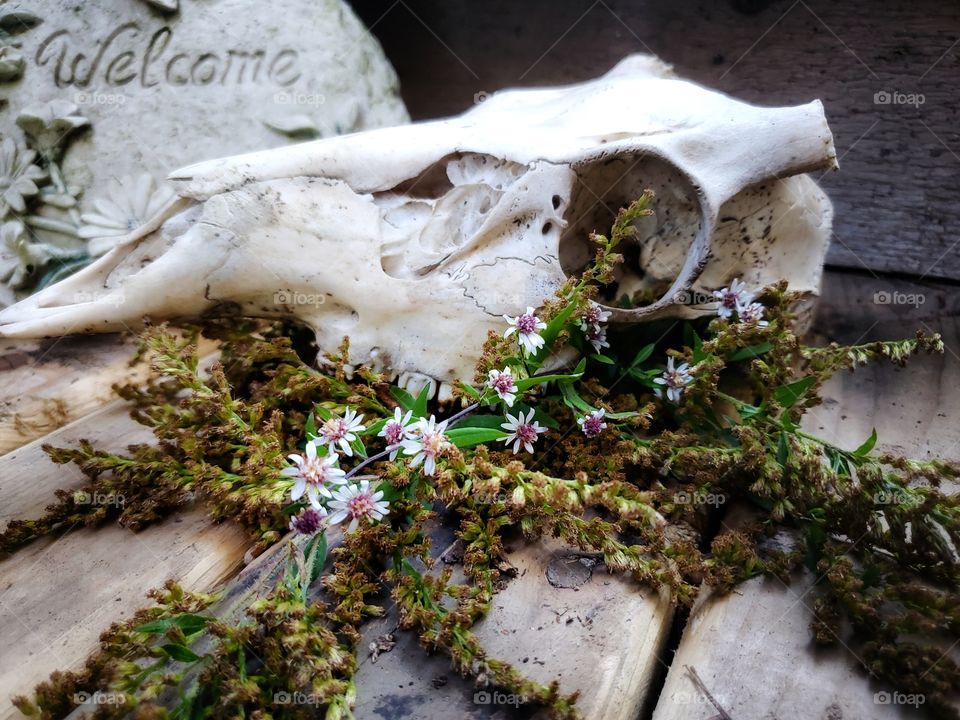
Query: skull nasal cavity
(427, 218)
(655, 255)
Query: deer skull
(416, 240)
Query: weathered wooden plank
(900, 162)
(601, 635)
(753, 649)
(58, 594)
(45, 384)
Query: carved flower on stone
(20, 259)
(18, 176)
(130, 203)
(11, 63)
(50, 124)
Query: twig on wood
(695, 679)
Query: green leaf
(479, 421)
(375, 428)
(471, 391)
(572, 398)
(403, 398)
(315, 558)
(311, 426)
(606, 360)
(190, 623)
(468, 436)
(358, 448)
(154, 627)
(180, 653)
(541, 379)
(788, 395)
(643, 355)
(749, 352)
(783, 450)
(420, 405)
(867, 446)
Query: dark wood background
(895, 194)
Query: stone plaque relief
(103, 98)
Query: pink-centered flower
(675, 379)
(341, 431)
(395, 431)
(752, 314)
(310, 521)
(502, 383)
(597, 336)
(522, 431)
(358, 503)
(732, 298)
(595, 315)
(426, 443)
(314, 474)
(592, 424)
(527, 327)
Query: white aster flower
(597, 336)
(341, 431)
(314, 474)
(129, 203)
(310, 521)
(396, 431)
(675, 379)
(595, 315)
(527, 327)
(752, 314)
(502, 383)
(523, 431)
(592, 424)
(426, 443)
(356, 503)
(731, 298)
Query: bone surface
(416, 240)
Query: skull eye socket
(655, 256)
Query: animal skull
(416, 240)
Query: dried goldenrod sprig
(630, 455)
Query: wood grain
(899, 163)
(49, 383)
(601, 636)
(59, 593)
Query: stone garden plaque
(102, 98)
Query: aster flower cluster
(326, 486)
(737, 299)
